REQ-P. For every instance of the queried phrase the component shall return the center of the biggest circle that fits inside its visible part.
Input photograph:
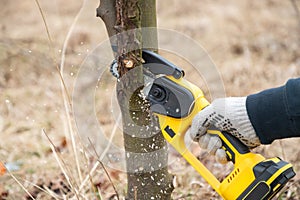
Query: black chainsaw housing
(168, 98)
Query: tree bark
(146, 150)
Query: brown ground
(254, 44)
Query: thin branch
(65, 93)
(22, 186)
(95, 189)
(50, 193)
(46, 26)
(61, 163)
(106, 172)
(66, 99)
(104, 152)
(52, 49)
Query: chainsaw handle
(240, 147)
(232, 146)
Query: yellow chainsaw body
(242, 182)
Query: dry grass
(255, 45)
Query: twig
(88, 176)
(106, 172)
(60, 162)
(104, 152)
(42, 189)
(99, 192)
(66, 98)
(64, 90)
(22, 186)
(95, 189)
(52, 49)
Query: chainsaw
(176, 101)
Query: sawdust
(254, 44)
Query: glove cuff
(239, 112)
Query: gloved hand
(226, 114)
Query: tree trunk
(146, 151)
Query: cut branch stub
(128, 22)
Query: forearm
(275, 113)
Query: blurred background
(255, 45)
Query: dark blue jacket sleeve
(275, 113)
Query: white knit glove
(226, 114)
